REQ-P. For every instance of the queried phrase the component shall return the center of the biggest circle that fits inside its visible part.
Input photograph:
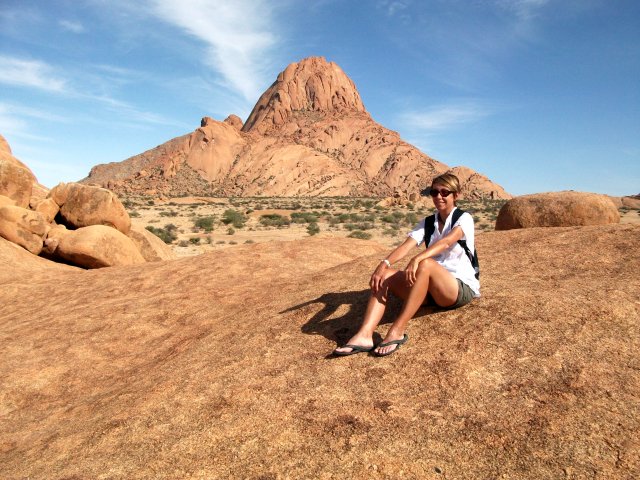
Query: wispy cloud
(523, 9)
(71, 26)
(392, 7)
(444, 117)
(15, 121)
(30, 73)
(238, 36)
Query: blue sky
(539, 95)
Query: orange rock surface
(216, 366)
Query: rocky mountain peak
(311, 85)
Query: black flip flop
(354, 349)
(402, 341)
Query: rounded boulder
(97, 246)
(23, 227)
(84, 206)
(557, 209)
(16, 180)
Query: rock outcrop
(557, 209)
(23, 227)
(98, 222)
(308, 135)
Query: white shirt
(455, 259)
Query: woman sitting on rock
(442, 274)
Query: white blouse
(455, 260)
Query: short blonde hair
(449, 180)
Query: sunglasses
(443, 193)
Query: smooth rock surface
(98, 246)
(204, 367)
(557, 209)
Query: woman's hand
(410, 271)
(377, 278)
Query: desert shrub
(358, 226)
(313, 229)
(231, 231)
(360, 234)
(411, 218)
(274, 220)
(183, 243)
(195, 240)
(167, 234)
(388, 219)
(134, 214)
(304, 217)
(220, 242)
(170, 213)
(232, 242)
(234, 217)
(249, 241)
(204, 223)
(150, 202)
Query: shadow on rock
(334, 325)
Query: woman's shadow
(341, 328)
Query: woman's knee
(426, 266)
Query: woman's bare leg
(395, 283)
(431, 277)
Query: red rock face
(308, 135)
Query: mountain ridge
(309, 134)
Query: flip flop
(354, 349)
(402, 341)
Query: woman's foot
(390, 344)
(355, 344)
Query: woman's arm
(397, 254)
(442, 245)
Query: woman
(441, 274)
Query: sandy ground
(159, 213)
(181, 212)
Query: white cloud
(238, 35)
(444, 117)
(71, 26)
(30, 73)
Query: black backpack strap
(429, 228)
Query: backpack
(429, 228)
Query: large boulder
(85, 205)
(48, 208)
(16, 180)
(557, 209)
(54, 236)
(97, 246)
(23, 227)
(149, 245)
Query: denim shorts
(465, 295)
